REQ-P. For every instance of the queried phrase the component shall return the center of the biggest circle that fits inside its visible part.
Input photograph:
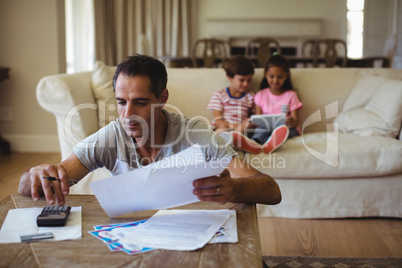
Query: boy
(232, 106)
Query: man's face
(136, 105)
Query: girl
(276, 97)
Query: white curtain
(153, 27)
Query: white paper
(22, 221)
(228, 232)
(178, 229)
(111, 235)
(163, 184)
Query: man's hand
(33, 184)
(239, 183)
(214, 189)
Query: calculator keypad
(53, 216)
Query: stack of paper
(164, 184)
(171, 229)
(112, 235)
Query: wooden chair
(260, 48)
(213, 52)
(309, 48)
(331, 51)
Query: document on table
(163, 184)
(22, 221)
(112, 235)
(178, 229)
(228, 232)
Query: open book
(268, 121)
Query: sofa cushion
(332, 155)
(363, 92)
(373, 108)
(102, 87)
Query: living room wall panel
(32, 46)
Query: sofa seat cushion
(331, 155)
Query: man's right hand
(33, 184)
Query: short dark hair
(144, 65)
(238, 65)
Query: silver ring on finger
(217, 191)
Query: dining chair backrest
(333, 51)
(309, 48)
(260, 49)
(211, 50)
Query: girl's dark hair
(277, 61)
(238, 65)
(147, 66)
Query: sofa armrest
(70, 99)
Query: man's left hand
(214, 189)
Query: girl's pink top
(272, 104)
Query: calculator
(53, 216)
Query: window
(80, 48)
(355, 18)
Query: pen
(49, 178)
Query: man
(146, 133)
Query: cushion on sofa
(373, 108)
(102, 87)
(331, 155)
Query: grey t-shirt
(110, 147)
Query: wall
(331, 12)
(388, 12)
(398, 30)
(376, 10)
(32, 46)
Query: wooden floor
(367, 237)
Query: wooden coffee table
(91, 252)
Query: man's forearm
(256, 189)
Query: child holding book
(233, 105)
(277, 96)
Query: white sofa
(335, 169)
